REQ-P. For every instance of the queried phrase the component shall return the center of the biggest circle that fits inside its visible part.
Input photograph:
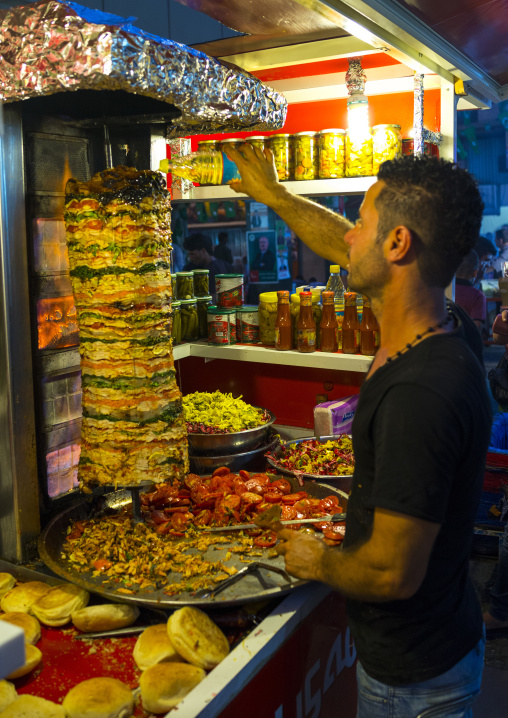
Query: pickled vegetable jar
(176, 322)
(358, 154)
(280, 146)
(208, 145)
(189, 316)
(267, 314)
(332, 153)
(386, 144)
(184, 285)
(257, 141)
(201, 282)
(202, 306)
(306, 156)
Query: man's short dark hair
(484, 246)
(223, 237)
(198, 241)
(469, 265)
(439, 203)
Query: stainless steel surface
(127, 631)
(253, 460)
(252, 588)
(19, 519)
(228, 444)
(251, 568)
(293, 522)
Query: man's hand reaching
(259, 174)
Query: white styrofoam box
(12, 648)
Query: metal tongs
(251, 568)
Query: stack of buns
(55, 607)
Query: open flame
(57, 323)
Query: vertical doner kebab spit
(119, 244)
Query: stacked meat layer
(119, 244)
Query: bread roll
(196, 637)
(164, 685)
(22, 597)
(153, 646)
(33, 707)
(29, 624)
(32, 659)
(99, 698)
(6, 583)
(56, 606)
(104, 617)
(8, 694)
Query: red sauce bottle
(306, 326)
(369, 330)
(328, 324)
(350, 325)
(283, 326)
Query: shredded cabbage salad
(218, 413)
(331, 458)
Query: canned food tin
(282, 153)
(332, 153)
(429, 148)
(229, 290)
(386, 144)
(306, 156)
(221, 325)
(247, 325)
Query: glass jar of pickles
(257, 141)
(176, 322)
(386, 144)
(189, 320)
(358, 153)
(184, 285)
(208, 146)
(332, 153)
(267, 314)
(281, 148)
(233, 142)
(202, 304)
(306, 156)
(201, 288)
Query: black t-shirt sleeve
(417, 451)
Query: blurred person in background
(486, 252)
(199, 249)
(222, 251)
(471, 299)
(502, 243)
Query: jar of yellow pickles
(208, 146)
(332, 153)
(358, 153)
(281, 149)
(257, 141)
(305, 152)
(386, 144)
(267, 314)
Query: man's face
(197, 257)
(368, 268)
(263, 244)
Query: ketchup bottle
(306, 327)
(328, 324)
(350, 325)
(283, 326)
(369, 330)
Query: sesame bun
(153, 646)
(6, 583)
(22, 597)
(32, 659)
(56, 606)
(8, 694)
(104, 617)
(33, 707)
(164, 685)
(29, 624)
(196, 637)
(99, 698)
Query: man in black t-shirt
(420, 436)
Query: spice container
(202, 306)
(283, 328)
(201, 280)
(305, 155)
(221, 325)
(247, 325)
(281, 148)
(189, 316)
(306, 325)
(176, 322)
(331, 154)
(257, 141)
(229, 290)
(358, 154)
(386, 144)
(267, 313)
(184, 285)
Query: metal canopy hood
(118, 73)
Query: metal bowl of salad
(327, 458)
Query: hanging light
(358, 137)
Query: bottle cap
(335, 268)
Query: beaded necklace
(429, 330)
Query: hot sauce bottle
(328, 324)
(369, 330)
(350, 325)
(283, 326)
(306, 327)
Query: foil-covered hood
(51, 47)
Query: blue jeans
(449, 695)
(499, 590)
